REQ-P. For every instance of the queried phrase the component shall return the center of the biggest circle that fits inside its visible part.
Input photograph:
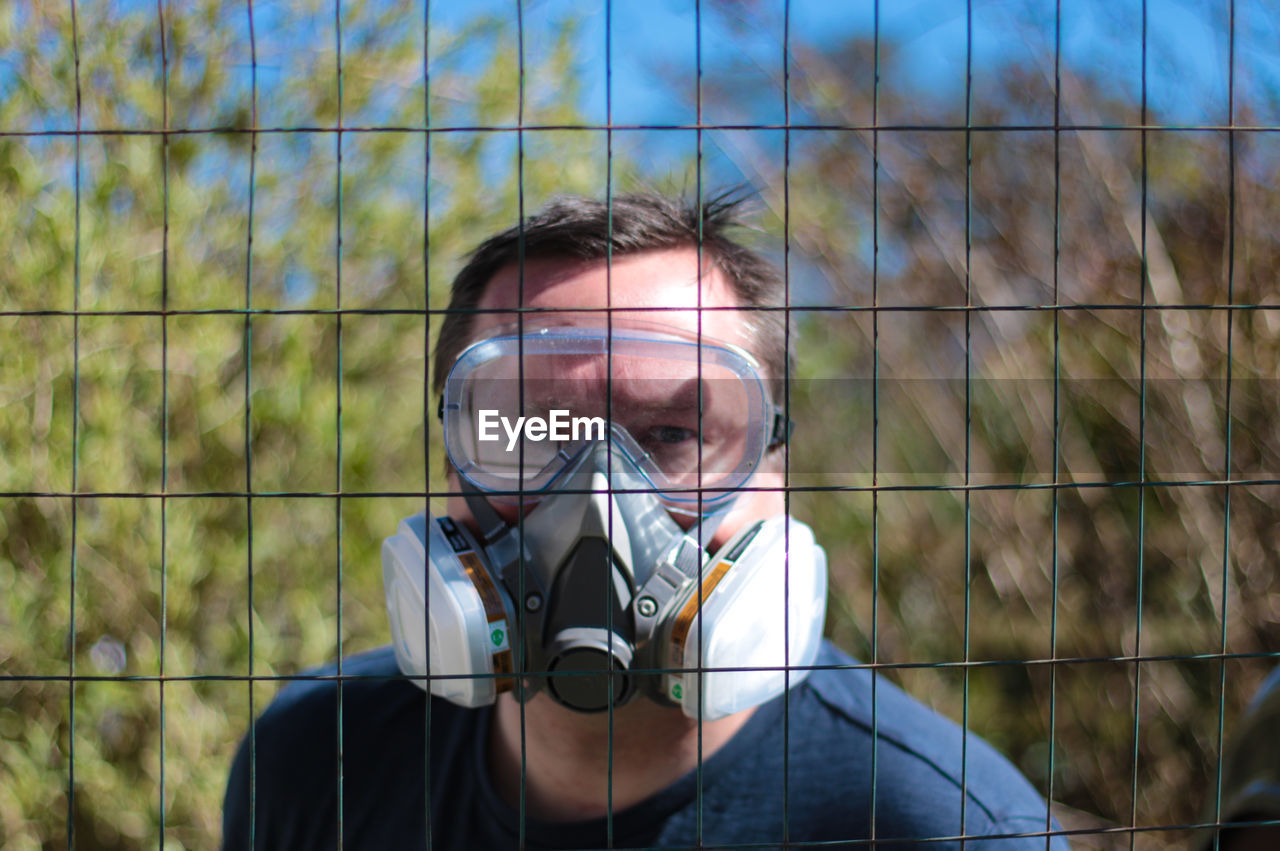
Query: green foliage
(176, 419)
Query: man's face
(632, 286)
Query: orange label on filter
(684, 620)
(496, 616)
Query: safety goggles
(692, 415)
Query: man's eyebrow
(681, 398)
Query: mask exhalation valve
(579, 669)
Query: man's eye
(669, 435)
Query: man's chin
(639, 711)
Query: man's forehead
(658, 287)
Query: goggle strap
(782, 427)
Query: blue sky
(653, 59)
(1186, 65)
(1186, 41)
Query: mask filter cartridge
(469, 614)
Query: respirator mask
(577, 446)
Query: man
(624, 628)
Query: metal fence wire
(1030, 267)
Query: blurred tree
(1021, 395)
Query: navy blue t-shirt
(377, 795)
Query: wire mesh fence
(1031, 275)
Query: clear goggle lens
(694, 417)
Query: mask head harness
(597, 594)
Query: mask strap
(492, 526)
(706, 526)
